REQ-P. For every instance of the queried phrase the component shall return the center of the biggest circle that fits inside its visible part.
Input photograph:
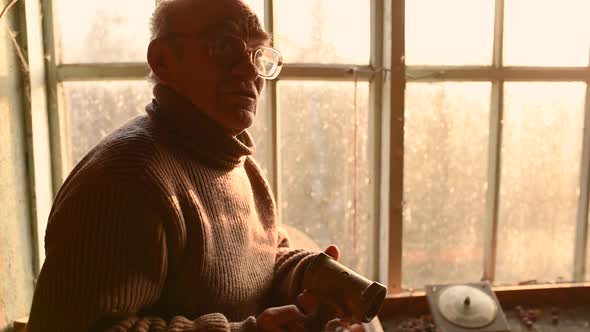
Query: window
(496, 141)
(433, 141)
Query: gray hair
(160, 17)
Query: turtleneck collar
(184, 125)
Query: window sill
(564, 295)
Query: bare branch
(7, 8)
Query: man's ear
(161, 59)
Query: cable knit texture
(166, 225)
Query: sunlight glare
(451, 32)
(547, 33)
(540, 173)
(326, 31)
(88, 29)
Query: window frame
(388, 76)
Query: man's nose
(245, 68)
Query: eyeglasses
(229, 49)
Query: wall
(16, 265)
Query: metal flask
(336, 283)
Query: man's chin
(240, 120)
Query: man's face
(225, 91)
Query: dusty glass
(95, 109)
(546, 33)
(450, 32)
(102, 31)
(540, 177)
(262, 133)
(323, 31)
(445, 176)
(325, 178)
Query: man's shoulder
(127, 150)
(133, 140)
(123, 157)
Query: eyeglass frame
(251, 52)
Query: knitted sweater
(166, 225)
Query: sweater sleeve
(107, 258)
(290, 265)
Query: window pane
(103, 31)
(323, 31)
(262, 133)
(451, 32)
(445, 170)
(95, 109)
(547, 33)
(541, 151)
(325, 170)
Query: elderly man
(168, 223)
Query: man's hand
(338, 325)
(281, 319)
(334, 315)
(311, 303)
(333, 252)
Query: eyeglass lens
(231, 50)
